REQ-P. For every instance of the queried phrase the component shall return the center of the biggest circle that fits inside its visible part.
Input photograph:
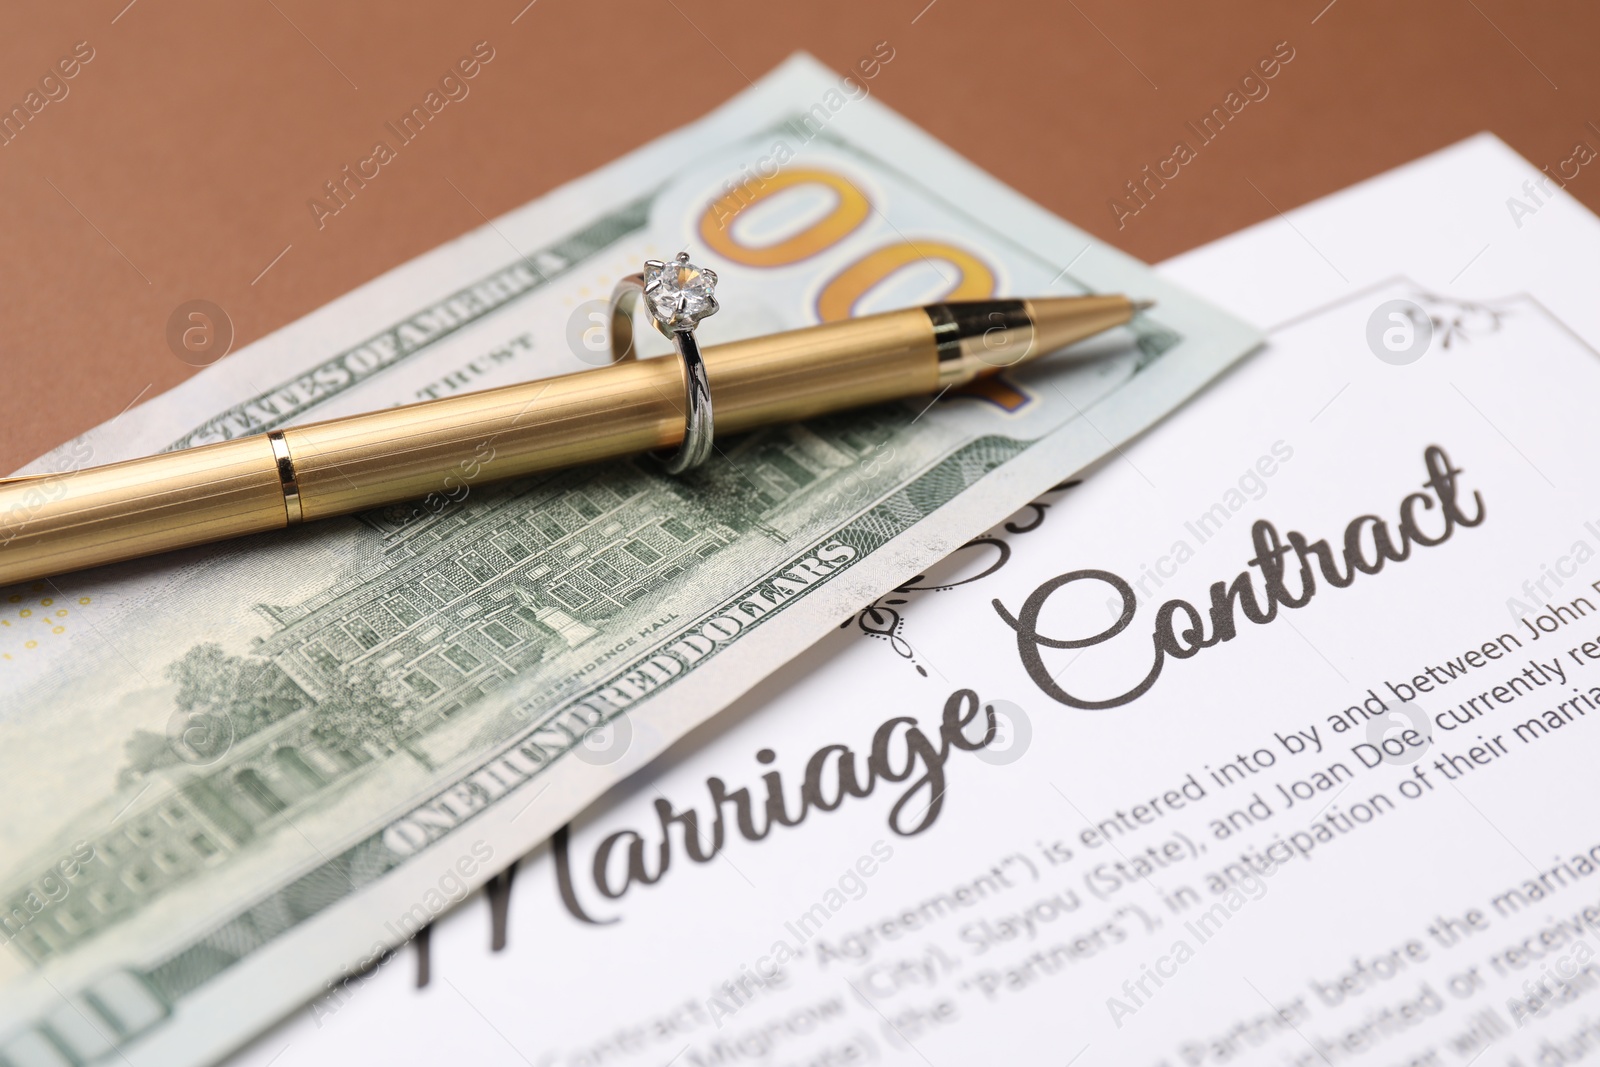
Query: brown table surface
(180, 163)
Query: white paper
(1434, 896)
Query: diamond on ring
(679, 293)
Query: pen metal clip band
(678, 295)
(293, 510)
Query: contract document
(1271, 741)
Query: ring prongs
(679, 293)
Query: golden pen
(55, 523)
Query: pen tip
(1143, 305)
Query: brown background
(181, 162)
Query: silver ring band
(624, 302)
(697, 430)
(696, 446)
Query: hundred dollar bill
(232, 775)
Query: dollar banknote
(233, 774)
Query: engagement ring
(678, 295)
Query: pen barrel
(833, 367)
(57, 523)
(53, 523)
(444, 445)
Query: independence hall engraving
(463, 599)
